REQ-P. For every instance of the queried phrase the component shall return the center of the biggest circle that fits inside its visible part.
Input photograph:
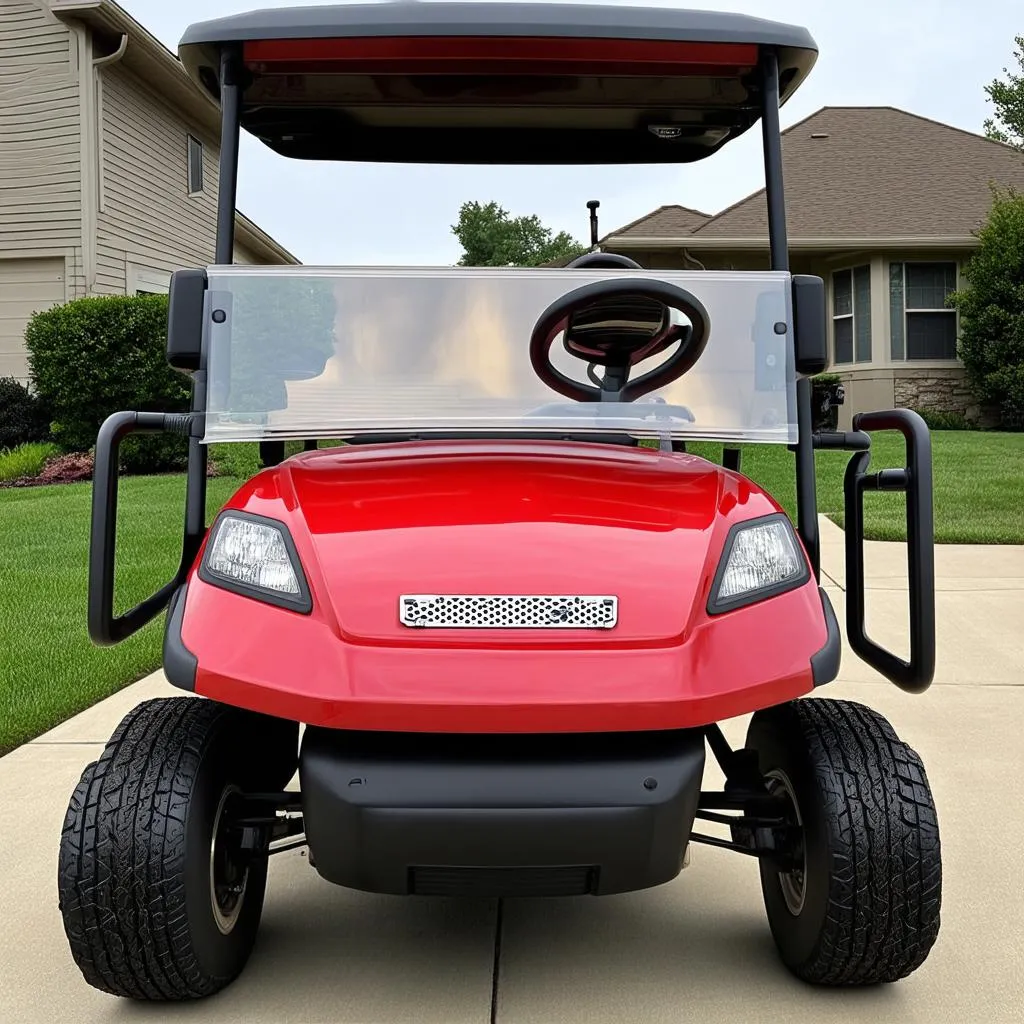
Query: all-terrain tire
(134, 875)
(872, 877)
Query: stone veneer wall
(939, 391)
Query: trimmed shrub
(936, 419)
(23, 416)
(25, 461)
(93, 357)
(992, 312)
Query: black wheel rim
(792, 883)
(229, 873)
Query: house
(108, 164)
(883, 205)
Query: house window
(140, 280)
(851, 315)
(922, 325)
(195, 166)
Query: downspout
(692, 259)
(98, 63)
(91, 147)
(113, 58)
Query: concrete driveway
(698, 949)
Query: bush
(23, 416)
(992, 312)
(27, 460)
(92, 357)
(938, 420)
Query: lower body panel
(499, 815)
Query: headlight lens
(256, 556)
(759, 557)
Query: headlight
(255, 556)
(761, 559)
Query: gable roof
(863, 173)
(148, 58)
(665, 221)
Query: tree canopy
(491, 237)
(1007, 96)
(992, 311)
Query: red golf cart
(507, 604)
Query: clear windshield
(300, 352)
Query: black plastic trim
(302, 604)
(809, 324)
(499, 815)
(180, 664)
(825, 664)
(715, 607)
(185, 320)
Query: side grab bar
(915, 479)
(105, 628)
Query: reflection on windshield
(328, 353)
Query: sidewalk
(698, 949)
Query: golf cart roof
(498, 83)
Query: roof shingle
(866, 172)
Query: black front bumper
(499, 815)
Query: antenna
(592, 206)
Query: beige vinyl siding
(247, 257)
(27, 286)
(148, 218)
(40, 159)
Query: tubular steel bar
(915, 480)
(230, 98)
(106, 628)
(778, 241)
(230, 104)
(778, 244)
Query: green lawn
(49, 669)
(978, 479)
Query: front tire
(862, 905)
(158, 899)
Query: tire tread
(884, 904)
(120, 870)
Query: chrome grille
(507, 611)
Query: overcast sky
(931, 58)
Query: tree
(1008, 99)
(992, 311)
(492, 238)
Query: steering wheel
(659, 411)
(602, 261)
(692, 339)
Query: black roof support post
(198, 454)
(230, 105)
(778, 243)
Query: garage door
(26, 286)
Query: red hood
(372, 523)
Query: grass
(25, 460)
(50, 669)
(978, 478)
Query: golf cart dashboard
(504, 83)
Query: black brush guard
(105, 628)
(915, 480)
